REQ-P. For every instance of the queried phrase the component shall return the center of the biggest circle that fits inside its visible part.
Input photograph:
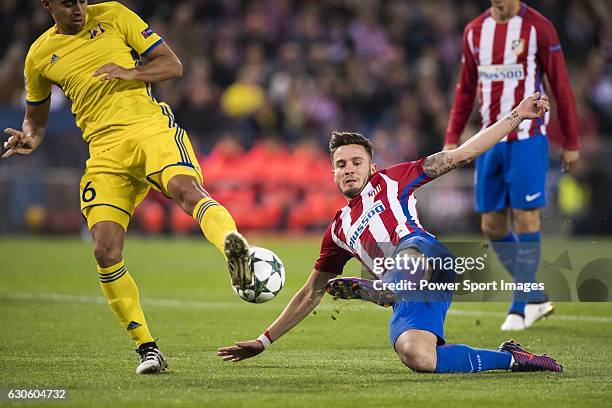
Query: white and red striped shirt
(372, 224)
(503, 63)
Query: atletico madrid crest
(518, 46)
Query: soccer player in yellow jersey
(93, 54)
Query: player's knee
(187, 192)
(493, 229)
(107, 253)
(416, 358)
(526, 220)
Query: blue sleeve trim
(553, 48)
(523, 10)
(155, 44)
(36, 103)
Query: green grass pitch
(56, 332)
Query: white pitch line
(571, 318)
(195, 304)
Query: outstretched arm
(163, 65)
(441, 163)
(302, 304)
(32, 131)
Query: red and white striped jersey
(372, 224)
(503, 63)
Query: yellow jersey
(105, 111)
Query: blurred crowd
(281, 74)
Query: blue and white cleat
(358, 288)
(523, 360)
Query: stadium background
(266, 81)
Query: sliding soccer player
(506, 53)
(381, 210)
(93, 54)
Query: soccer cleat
(357, 288)
(523, 360)
(513, 322)
(152, 360)
(537, 311)
(238, 259)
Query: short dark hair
(346, 138)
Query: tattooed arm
(442, 162)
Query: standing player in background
(380, 221)
(93, 54)
(506, 51)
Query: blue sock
(526, 266)
(459, 358)
(506, 249)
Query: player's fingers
(12, 132)
(229, 349)
(8, 153)
(22, 151)
(228, 357)
(104, 68)
(12, 142)
(565, 165)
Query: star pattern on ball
(275, 264)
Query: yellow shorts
(117, 179)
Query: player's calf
(416, 358)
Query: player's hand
(242, 350)
(114, 71)
(569, 159)
(449, 146)
(18, 143)
(533, 106)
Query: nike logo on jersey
(530, 198)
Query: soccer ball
(268, 276)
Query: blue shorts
(423, 314)
(512, 175)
